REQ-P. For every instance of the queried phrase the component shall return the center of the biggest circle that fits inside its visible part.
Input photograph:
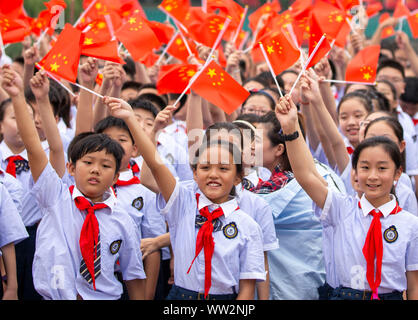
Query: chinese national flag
(12, 30)
(362, 68)
(98, 31)
(62, 60)
(137, 37)
(413, 24)
(150, 59)
(280, 52)
(373, 8)
(331, 18)
(267, 8)
(401, 10)
(174, 78)
(226, 7)
(46, 17)
(207, 31)
(388, 31)
(162, 31)
(102, 50)
(177, 9)
(178, 49)
(215, 85)
(341, 39)
(314, 37)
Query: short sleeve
(412, 251)
(336, 207)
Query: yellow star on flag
(54, 66)
(88, 41)
(211, 73)
(270, 49)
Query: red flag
(103, 50)
(137, 37)
(341, 39)
(331, 18)
(177, 9)
(216, 86)
(163, 32)
(206, 32)
(314, 37)
(413, 24)
(227, 8)
(267, 8)
(373, 8)
(174, 78)
(280, 52)
(401, 10)
(12, 30)
(98, 31)
(178, 49)
(362, 68)
(388, 31)
(62, 60)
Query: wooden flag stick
(241, 23)
(307, 63)
(270, 67)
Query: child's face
(375, 174)
(367, 120)
(128, 94)
(381, 128)
(394, 76)
(8, 128)
(257, 104)
(352, 112)
(94, 173)
(270, 153)
(384, 89)
(145, 119)
(216, 174)
(125, 141)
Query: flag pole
(110, 26)
(55, 79)
(270, 67)
(307, 63)
(167, 47)
(84, 13)
(241, 23)
(349, 82)
(219, 38)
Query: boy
(82, 233)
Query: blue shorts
(178, 293)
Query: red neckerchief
(373, 247)
(350, 150)
(133, 180)
(89, 234)
(205, 240)
(11, 165)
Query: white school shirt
(140, 203)
(139, 161)
(12, 229)
(176, 155)
(14, 187)
(178, 131)
(403, 190)
(57, 260)
(238, 257)
(351, 224)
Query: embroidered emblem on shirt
(200, 220)
(170, 158)
(115, 246)
(230, 230)
(138, 203)
(391, 234)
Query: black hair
(261, 93)
(411, 89)
(229, 127)
(388, 145)
(112, 122)
(249, 117)
(64, 103)
(131, 85)
(19, 60)
(3, 106)
(391, 86)
(383, 102)
(158, 101)
(129, 67)
(53, 95)
(261, 81)
(361, 97)
(90, 142)
(391, 63)
(232, 149)
(396, 128)
(182, 102)
(144, 104)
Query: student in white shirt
(356, 224)
(234, 260)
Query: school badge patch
(115, 246)
(138, 203)
(170, 158)
(230, 230)
(391, 234)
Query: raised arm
(402, 40)
(30, 57)
(12, 83)
(87, 77)
(39, 85)
(300, 158)
(164, 178)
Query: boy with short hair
(82, 233)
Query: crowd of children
(311, 195)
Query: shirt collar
(109, 197)
(126, 175)
(6, 152)
(227, 207)
(385, 209)
(253, 177)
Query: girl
(357, 224)
(209, 218)
(259, 102)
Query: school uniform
(178, 131)
(136, 165)
(14, 187)
(238, 250)
(58, 263)
(350, 220)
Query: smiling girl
(372, 228)
(206, 217)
